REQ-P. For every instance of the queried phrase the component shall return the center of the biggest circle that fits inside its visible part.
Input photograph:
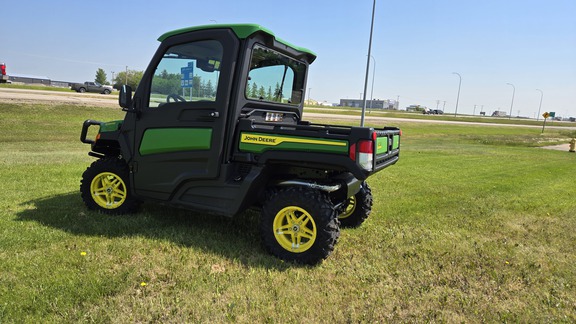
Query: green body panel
(110, 126)
(258, 143)
(166, 140)
(242, 31)
(396, 142)
(381, 145)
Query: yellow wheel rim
(108, 190)
(294, 229)
(350, 208)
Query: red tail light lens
(366, 146)
(365, 156)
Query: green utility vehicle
(216, 126)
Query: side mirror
(125, 98)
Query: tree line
(130, 77)
(168, 83)
(259, 92)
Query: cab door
(179, 134)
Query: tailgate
(387, 150)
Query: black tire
(105, 187)
(106, 92)
(357, 208)
(299, 225)
(82, 90)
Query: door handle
(214, 114)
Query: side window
(275, 77)
(187, 72)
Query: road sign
(546, 115)
(552, 114)
(187, 76)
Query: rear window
(275, 77)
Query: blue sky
(417, 45)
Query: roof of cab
(241, 30)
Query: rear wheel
(105, 187)
(299, 225)
(357, 208)
(82, 90)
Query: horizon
(417, 47)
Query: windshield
(187, 72)
(275, 77)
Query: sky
(502, 49)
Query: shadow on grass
(235, 238)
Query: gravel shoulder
(9, 95)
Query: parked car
(91, 87)
(427, 111)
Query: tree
(134, 78)
(269, 94)
(261, 93)
(166, 83)
(101, 76)
(277, 93)
(196, 80)
(254, 91)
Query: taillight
(3, 69)
(363, 153)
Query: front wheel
(299, 225)
(357, 208)
(105, 187)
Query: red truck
(3, 76)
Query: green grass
(473, 224)
(446, 117)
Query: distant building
(37, 80)
(371, 104)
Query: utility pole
(512, 103)
(458, 97)
(368, 64)
(540, 106)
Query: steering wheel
(175, 98)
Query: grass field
(445, 117)
(474, 224)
